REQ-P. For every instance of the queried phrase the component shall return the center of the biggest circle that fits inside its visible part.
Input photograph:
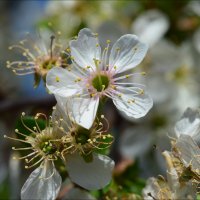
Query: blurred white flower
(93, 76)
(40, 55)
(189, 124)
(172, 188)
(151, 26)
(135, 142)
(189, 152)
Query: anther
(108, 41)
(57, 79)
(143, 73)
(127, 76)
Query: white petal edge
(189, 124)
(37, 188)
(137, 109)
(84, 110)
(149, 23)
(189, 152)
(60, 82)
(131, 53)
(91, 176)
(85, 49)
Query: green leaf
(29, 122)
(104, 145)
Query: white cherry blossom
(96, 74)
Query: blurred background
(172, 31)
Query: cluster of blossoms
(81, 77)
(62, 139)
(183, 163)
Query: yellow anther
(102, 116)
(143, 73)
(59, 32)
(23, 113)
(141, 91)
(87, 85)
(108, 41)
(119, 95)
(133, 100)
(16, 130)
(68, 50)
(129, 101)
(96, 34)
(106, 49)
(94, 140)
(46, 143)
(10, 48)
(57, 79)
(92, 95)
(114, 87)
(88, 67)
(117, 49)
(115, 67)
(71, 57)
(97, 45)
(104, 137)
(127, 76)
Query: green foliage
(129, 180)
(4, 189)
(30, 123)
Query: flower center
(100, 82)
(48, 64)
(82, 135)
(47, 147)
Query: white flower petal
(92, 176)
(152, 187)
(61, 82)
(127, 53)
(37, 188)
(78, 194)
(189, 152)
(130, 101)
(151, 26)
(85, 49)
(189, 124)
(84, 110)
(135, 142)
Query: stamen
(51, 46)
